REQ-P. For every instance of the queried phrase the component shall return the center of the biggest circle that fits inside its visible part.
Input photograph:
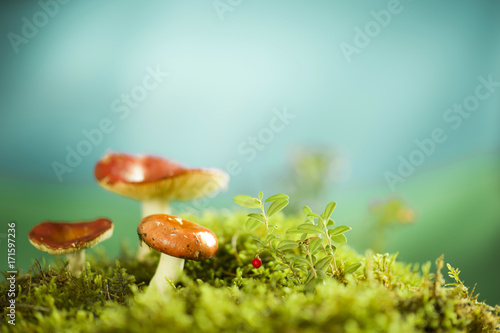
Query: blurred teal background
(232, 66)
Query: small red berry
(256, 262)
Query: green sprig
(308, 258)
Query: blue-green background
(226, 78)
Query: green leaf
(275, 226)
(328, 211)
(321, 275)
(314, 215)
(296, 259)
(339, 239)
(323, 264)
(318, 250)
(303, 237)
(309, 213)
(271, 237)
(280, 267)
(252, 224)
(332, 251)
(306, 210)
(330, 223)
(277, 197)
(293, 230)
(339, 230)
(310, 228)
(261, 195)
(276, 206)
(246, 201)
(311, 285)
(302, 269)
(258, 240)
(310, 276)
(257, 216)
(315, 245)
(352, 268)
(287, 245)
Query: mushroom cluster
(155, 182)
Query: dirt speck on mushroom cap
(178, 237)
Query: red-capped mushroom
(156, 181)
(177, 240)
(70, 239)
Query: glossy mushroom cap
(148, 177)
(64, 238)
(177, 237)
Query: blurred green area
(456, 208)
(457, 214)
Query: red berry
(256, 262)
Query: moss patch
(228, 294)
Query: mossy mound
(228, 294)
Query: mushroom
(155, 182)
(176, 239)
(70, 239)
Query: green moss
(228, 294)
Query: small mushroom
(155, 182)
(176, 239)
(70, 239)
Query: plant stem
(234, 240)
(265, 220)
(311, 262)
(330, 245)
(278, 253)
(331, 267)
(283, 259)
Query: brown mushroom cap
(148, 177)
(64, 238)
(177, 237)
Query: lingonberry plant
(310, 258)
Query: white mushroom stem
(150, 207)
(76, 262)
(155, 206)
(168, 267)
